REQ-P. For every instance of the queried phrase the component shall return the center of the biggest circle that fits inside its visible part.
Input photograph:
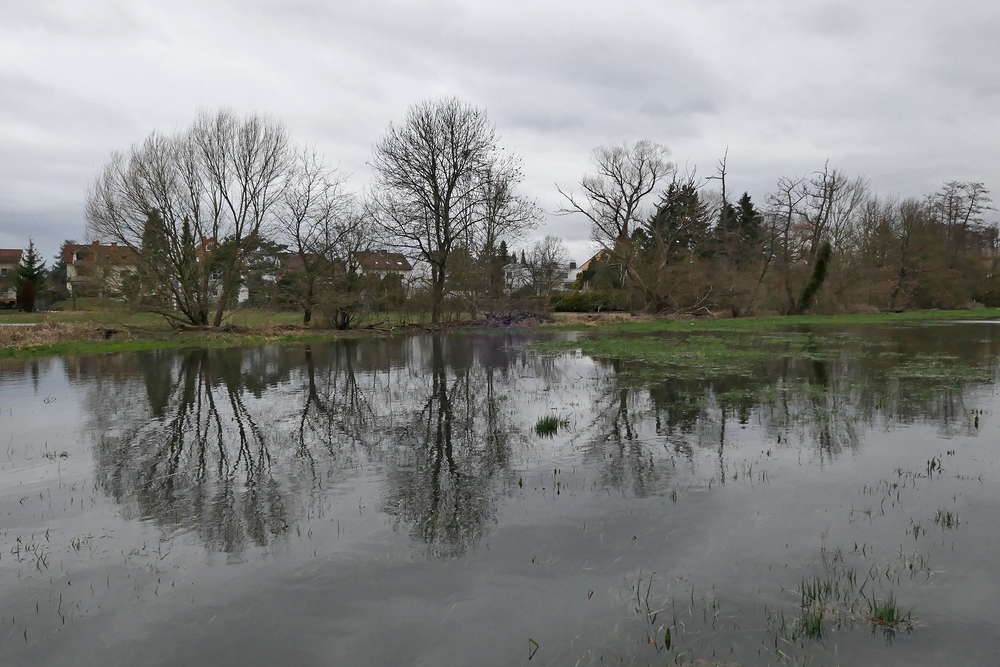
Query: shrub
(587, 301)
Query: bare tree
(434, 177)
(245, 164)
(314, 219)
(151, 199)
(547, 264)
(960, 207)
(344, 293)
(613, 197)
(830, 202)
(503, 214)
(784, 206)
(191, 205)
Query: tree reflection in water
(451, 456)
(236, 445)
(646, 421)
(201, 460)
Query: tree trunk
(438, 296)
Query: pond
(466, 499)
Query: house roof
(601, 256)
(293, 262)
(10, 255)
(381, 260)
(101, 254)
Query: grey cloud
(901, 91)
(831, 18)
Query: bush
(592, 301)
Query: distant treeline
(824, 241)
(231, 204)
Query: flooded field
(823, 497)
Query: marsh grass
(887, 614)
(701, 355)
(946, 519)
(50, 333)
(56, 338)
(548, 426)
(777, 322)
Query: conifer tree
(30, 274)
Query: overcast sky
(905, 93)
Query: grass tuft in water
(946, 519)
(549, 426)
(887, 614)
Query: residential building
(10, 259)
(383, 263)
(601, 257)
(97, 269)
(571, 272)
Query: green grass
(125, 317)
(744, 347)
(148, 331)
(785, 321)
(171, 342)
(886, 613)
(757, 337)
(701, 355)
(549, 426)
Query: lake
(492, 499)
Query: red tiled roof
(104, 254)
(383, 261)
(11, 255)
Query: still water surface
(390, 502)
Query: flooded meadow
(823, 495)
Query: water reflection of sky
(380, 501)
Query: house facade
(383, 263)
(10, 259)
(97, 269)
(555, 278)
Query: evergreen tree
(816, 281)
(748, 221)
(57, 274)
(681, 220)
(743, 237)
(30, 275)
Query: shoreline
(52, 337)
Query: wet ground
(476, 500)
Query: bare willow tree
(960, 207)
(192, 205)
(614, 196)
(503, 216)
(437, 175)
(314, 220)
(828, 214)
(547, 264)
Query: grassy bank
(743, 347)
(612, 324)
(111, 331)
(55, 338)
(105, 332)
